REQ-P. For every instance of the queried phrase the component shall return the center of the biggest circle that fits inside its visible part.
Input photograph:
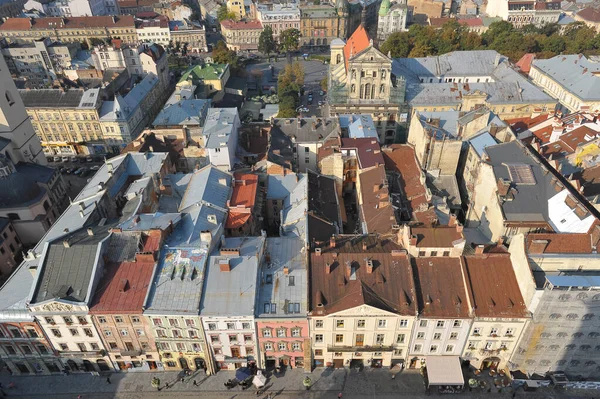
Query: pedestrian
(79, 397)
(195, 383)
(108, 380)
(340, 395)
(182, 379)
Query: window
(124, 332)
(318, 323)
(189, 323)
(509, 332)
(477, 331)
(418, 347)
(282, 346)
(433, 253)
(296, 346)
(161, 334)
(423, 323)
(82, 347)
(157, 322)
(339, 338)
(135, 319)
(382, 323)
(212, 326)
(268, 346)
(446, 253)
(400, 338)
(88, 332)
(403, 323)
(267, 333)
(108, 333)
(360, 323)
(174, 322)
(449, 348)
(214, 339)
(176, 333)
(489, 345)
(81, 320)
(437, 336)
(339, 323)
(56, 333)
(68, 320)
(249, 350)
(118, 319)
(433, 348)
(494, 332)
(231, 326)
(295, 332)
(319, 338)
(246, 326)
(32, 333)
(15, 333)
(472, 345)
(453, 335)
(379, 338)
(181, 347)
(421, 335)
(74, 332)
(440, 324)
(139, 332)
(42, 349)
(318, 352)
(247, 338)
(64, 347)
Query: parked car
(86, 172)
(56, 159)
(321, 93)
(70, 170)
(65, 159)
(95, 168)
(309, 100)
(89, 158)
(74, 159)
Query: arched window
(338, 59)
(9, 98)
(367, 91)
(382, 89)
(383, 74)
(353, 88)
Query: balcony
(366, 348)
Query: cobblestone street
(326, 384)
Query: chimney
(364, 245)
(413, 240)
(224, 265)
(81, 214)
(399, 253)
(286, 270)
(332, 242)
(317, 251)
(479, 249)
(66, 244)
(376, 187)
(538, 246)
(314, 126)
(123, 285)
(452, 220)
(369, 264)
(348, 270)
(459, 227)
(327, 268)
(230, 251)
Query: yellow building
(321, 24)
(66, 122)
(237, 7)
(242, 35)
(67, 30)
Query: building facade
(242, 35)
(392, 17)
(279, 17)
(321, 24)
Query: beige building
(361, 321)
(68, 30)
(242, 35)
(438, 241)
(321, 24)
(193, 33)
(237, 7)
(66, 122)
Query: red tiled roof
(236, 220)
(17, 24)
(524, 64)
(590, 14)
(472, 22)
(519, 125)
(244, 190)
(402, 159)
(368, 151)
(375, 206)
(440, 287)
(233, 25)
(389, 286)
(494, 286)
(436, 237)
(571, 243)
(356, 43)
(438, 22)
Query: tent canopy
(444, 370)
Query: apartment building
(70, 29)
(434, 241)
(392, 17)
(66, 122)
(40, 61)
(321, 24)
(191, 32)
(231, 274)
(445, 304)
(119, 300)
(362, 302)
(245, 207)
(282, 305)
(24, 348)
(10, 247)
(279, 17)
(521, 13)
(221, 136)
(152, 28)
(241, 35)
(75, 8)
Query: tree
(289, 40)
(398, 45)
(222, 55)
(324, 84)
(224, 14)
(266, 43)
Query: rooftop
(57, 98)
(558, 243)
(219, 126)
(67, 270)
(306, 130)
(231, 278)
(190, 112)
(284, 279)
(358, 42)
(124, 285)
(574, 72)
(124, 21)
(494, 286)
(14, 295)
(238, 25)
(323, 208)
(293, 190)
(367, 151)
(437, 237)
(242, 200)
(440, 287)
(345, 280)
(377, 213)
(203, 72)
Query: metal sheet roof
(574, 281)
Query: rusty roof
(68, 23)
(436, 237)
(440, 287)
(377, 214)
(368, 243)
(389, 286)
(244, 190)
(367, 150)
(567, 243)
(124, 286)
(494, 286)
(524, 64)
(401, 158)
(519, 125)
(228, 24)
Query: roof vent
(66, 244)
(90, 231)
(123, 285)
(224, 265)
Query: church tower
(15, 125)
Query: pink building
(282, 327)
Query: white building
(221, 136)
(74, 8)
(153, 30)
(392, 17)
(228, 304)
(521, 13)
(279, 17)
